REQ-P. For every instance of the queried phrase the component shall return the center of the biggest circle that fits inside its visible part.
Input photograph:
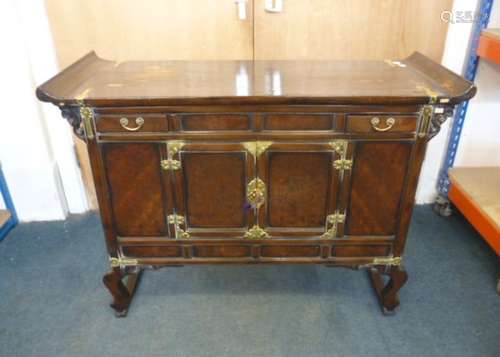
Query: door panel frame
(179, 177)
(263, 163)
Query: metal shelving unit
(8, 216)
(481, 22)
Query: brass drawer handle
(138, 121)
(389, 122)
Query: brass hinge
(256, 233)
(87, 117)
(170, 164)
(256, 192)
(173, 148)
(397, 261)
(331, 224)
(257, 148)
(340, 147)
(342, 164)
(122, 262)
(177, 221)
(425, 121)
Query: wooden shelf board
(489, 45)
(475, 191)
(4, 216)
(492, 33)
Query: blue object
(10, 206)
(481, 22)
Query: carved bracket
(72, 115)
(439, 117)
(80, 118)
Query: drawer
(214, 122)
(131, 123)
(303, 122)
(381, 123)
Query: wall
(36, 148)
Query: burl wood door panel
(378, 179)
(211, 189)
(136, 187)
(301, 188)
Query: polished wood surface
(134, 177)
(103, 82)
(378, 179)
(256, 178)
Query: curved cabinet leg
(122, 292)
(388, 293)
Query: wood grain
(4, 216)
(378, 179)
(351, 30)
(152, 30)
(136, 189)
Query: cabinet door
(301, 185)
(378, 178)
(210, 182)
(138, 189)
(299, 30)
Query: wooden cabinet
(190, 170)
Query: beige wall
(353, 29)
(149, 29)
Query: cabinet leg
(387, 293)
(122, 292)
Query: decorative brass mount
(256, 233)
(396, 261)
(177, 221)
(331, 224)
(425, 121)
(173, 148)
(342, 164)
(340, 147)
(122, 262)
(257, 148)
(87, 116)
(256, 192)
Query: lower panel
(150, 251)
(221, 251)
(245, 252)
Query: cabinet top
(99, 82)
